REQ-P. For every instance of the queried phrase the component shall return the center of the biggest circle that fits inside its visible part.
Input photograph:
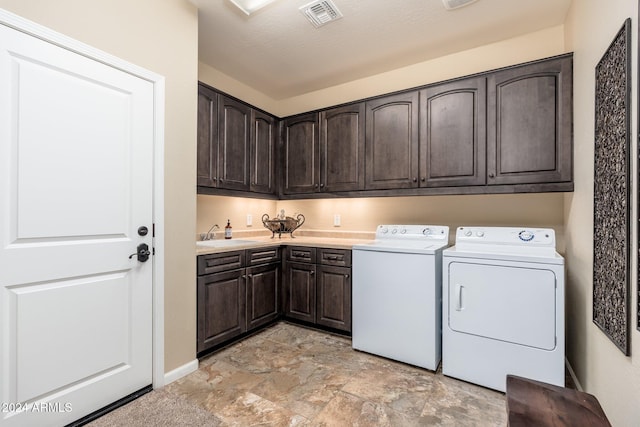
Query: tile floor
(288, 375)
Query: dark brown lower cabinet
(234, 299)
(263, 284)
(318, 291)
(334, 297)
(301, 284)
(221, 307)
(239, 291)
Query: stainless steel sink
(224, 243)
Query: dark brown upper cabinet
(391, 142)
(342, 134)
(262, 141)
(453, 134)
(530, 117)
(502, 131)
(233, 151)
(207, 137)
(301, 154)
(236, 146)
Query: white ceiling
(278, 52)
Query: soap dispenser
(227, 230)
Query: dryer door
(502, 302)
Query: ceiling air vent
(321, 12)
(454, 4)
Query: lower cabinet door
(221, 307)
(263, 284)
(334, 297)
(300, 301)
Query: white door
(76, 157)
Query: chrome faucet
(210, 235)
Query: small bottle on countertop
(227, 230)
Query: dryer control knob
(403, 231)
(426, 231)
(384, 230)
(526, 235)
(468, 233)
(480, 233)
(394, 231)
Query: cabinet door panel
(207, 137)
(301, 154)
(530, 123)
(263, 284)
(262, 152)
(392, 142)
(221, 308)
(334, 297)
(233, 128)
(453, 134)
(301, 292)
(342, 148)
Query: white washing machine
(503, 306)
(397, 294)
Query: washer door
(512, 304)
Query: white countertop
(263, 242)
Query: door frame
(23, 25)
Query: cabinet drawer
(338, 257)
(301, 254)
(214, 263)
(263, 255)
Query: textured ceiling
(279, 53)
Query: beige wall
(528, 47)
(161, 36)
(364, 214)
(601, 368)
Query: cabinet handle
(492, 175)
(424, 179)
(321, 185)
(333, 258)
(415, 179)
(311, 273)
(346, 276)
(315, 186)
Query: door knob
(143, 252)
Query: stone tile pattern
(288, 375)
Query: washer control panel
(424, 232)
(513, 236)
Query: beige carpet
(158, 408)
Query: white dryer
(503, 306)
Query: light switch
(249, 220)
(336, 220)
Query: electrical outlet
(336, 220)
(249, 220)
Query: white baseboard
(181, 371)
(573, 375)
